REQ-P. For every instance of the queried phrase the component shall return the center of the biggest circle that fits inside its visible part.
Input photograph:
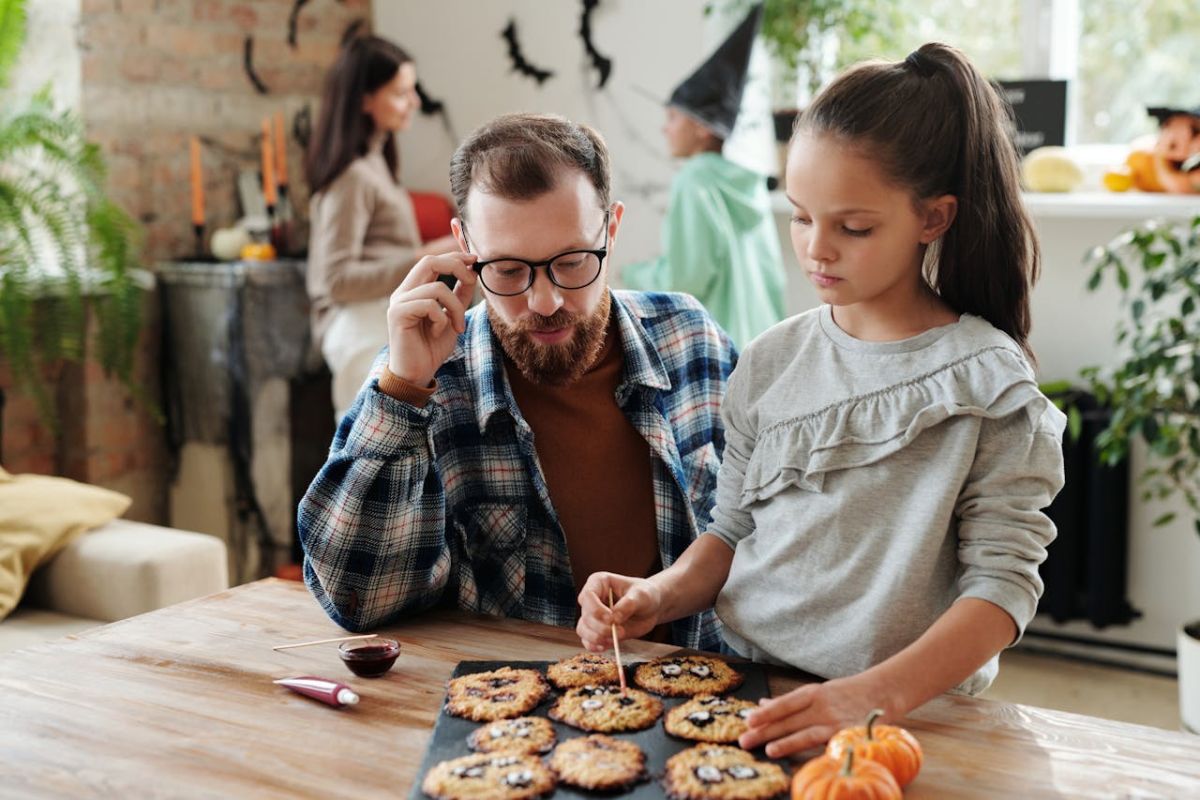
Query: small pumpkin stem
(848, 764)
(875, 714)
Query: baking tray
(450, 733)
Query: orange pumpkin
(827, 778)
(893, 747)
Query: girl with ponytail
(878, 519)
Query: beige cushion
(126, 568)
(39, 515)
(29, 626)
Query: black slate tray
(450, 733)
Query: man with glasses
(499, 456)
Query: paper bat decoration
(293, 18)
(518, 58)
(602, 64)
(429, 106)
(248, 65)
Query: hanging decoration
(518, 58)
(248, 65)
(293, 19)
(601, 64)
(429, 106)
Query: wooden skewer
(324, 641)
(616, 645)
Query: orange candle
(268, 166)
(197, 184)
(280, 150)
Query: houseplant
(1153, 386)
(64, 246)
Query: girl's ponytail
(937, 126)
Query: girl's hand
(809, 716)
(638, 605)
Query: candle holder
(198, 232)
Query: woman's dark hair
(344, 130)
(937, 126)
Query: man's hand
(425, 316)
(638, 605)
(809, 716)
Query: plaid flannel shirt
(447, 504)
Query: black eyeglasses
(573, 269)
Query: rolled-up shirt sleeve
(1003, 531)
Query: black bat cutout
(248, 65)
(602, 64)
(429, 106)
(519, 63)
(293, 18)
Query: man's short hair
(518, 156)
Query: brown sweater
(597, 466)
(364, 237)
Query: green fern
(53, 210)
(12, 35)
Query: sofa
(118, 570)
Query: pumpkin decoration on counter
(894, 748)
(844, 778)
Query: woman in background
(364, 236)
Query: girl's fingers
(794, 702)
(799, 741)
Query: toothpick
(324, 641)
(616, 645)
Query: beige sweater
(364, 237)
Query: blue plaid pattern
(446, 504)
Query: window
(1119, 55)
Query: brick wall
(155, 72)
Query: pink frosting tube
(327, 691)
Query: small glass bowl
(369, 658)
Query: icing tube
(327, 691)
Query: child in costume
(878, 519)
(719, 238)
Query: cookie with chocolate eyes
(686, 676)
(720, 772)
(606, 709)
(708, 718)
(582, 670)
(499, 694)
(483, 776)
(598, 763)
(520, 735)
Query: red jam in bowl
(369, 658)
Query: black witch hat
(713, 93)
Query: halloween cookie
(606, 709)
(483, 776)
(714, 771)
(520, 735)
(583, 670)
(684, 676)
(500, 694)
(707, 718)
(598, 762)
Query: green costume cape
(720, 244)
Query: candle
(197, 185)
(280, 150)
(268, 166)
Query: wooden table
(179, 703)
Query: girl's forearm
(961, 641)
(692, 583)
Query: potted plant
(65, 249)
(1153, 388)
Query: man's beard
(555, 364)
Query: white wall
(462, 60)
(51, 53)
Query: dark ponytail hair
(344, 130)
(936, 126)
